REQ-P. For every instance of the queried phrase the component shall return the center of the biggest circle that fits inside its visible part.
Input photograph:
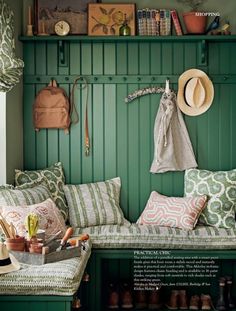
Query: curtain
(10, 66)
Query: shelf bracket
(202, 53)
(62, 53)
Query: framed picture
(106, 19)
(75, 12)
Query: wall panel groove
(121, 134)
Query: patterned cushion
(55, 178)
(25, 195)
(220, 187)
(50, 218)
(172, 211)
(95, 203)
(137, 236)
(61, 278)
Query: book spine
(149, 22)
(140, 22)
(157, 18)
(176, 23)
(162, 23)
(144, 22)
(153, 23)
(167, 23)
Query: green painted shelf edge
(187, 38)
(129, 253)
(162, 309)
(35, 298)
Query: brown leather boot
(206, 302)
(154, 300)
(126, 296)
(174, 300)
(113, 297)
(229, 284)
(183, 300)
(140, 299)
(194, 302)
(221, 304)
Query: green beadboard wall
(122, 133)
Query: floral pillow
(220, 187)
(175, 212)
(50, 218)
(55, 179)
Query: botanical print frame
(75, 12)
(105, 19)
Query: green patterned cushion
(95, 203)
(55, 178)
(25, 195)
(220, 187)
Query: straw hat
(8, 263)
(195, 92)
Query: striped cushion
(61, 278)
(24, 195)
(137, 236)
(95, 203)
(175, 212)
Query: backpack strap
(72, 103)
(73, 108)
(87, 141)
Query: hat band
(5, 262)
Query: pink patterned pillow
(50, 218)
(172, 211)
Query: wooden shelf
(187, 38)
(201, 40)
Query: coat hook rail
(148, 80)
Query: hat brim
(208, 85)
(14, 266)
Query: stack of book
(153, 22)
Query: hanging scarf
(172, 147)
(10, 65)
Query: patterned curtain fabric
(10, 65)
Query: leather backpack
(52, 108)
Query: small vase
(125, 29)
(29, 241)
(36, 248)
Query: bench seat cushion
(61, 278)
(157, 237)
